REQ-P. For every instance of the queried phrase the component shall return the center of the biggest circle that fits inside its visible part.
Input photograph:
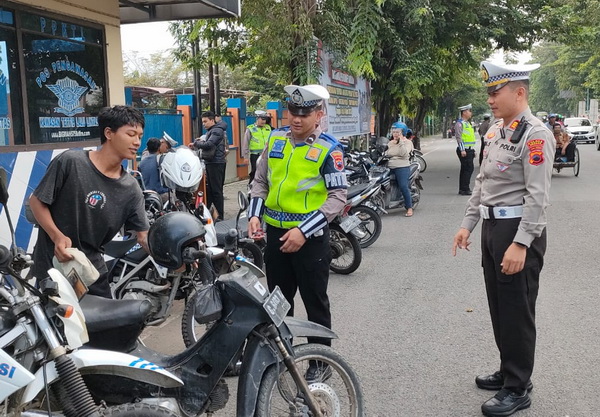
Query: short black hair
(153, 144)
(117, 116)
(208, 114)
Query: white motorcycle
(41, 367)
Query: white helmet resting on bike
(180, 170)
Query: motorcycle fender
(104, 362)
(305, 328)
(258, 356)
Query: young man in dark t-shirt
(86, 197)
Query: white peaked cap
(497, 76)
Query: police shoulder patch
(536, 151)
(338, 160)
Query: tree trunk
(217, 90)
(211, 86)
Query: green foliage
(157, 70)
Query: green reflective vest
(468, 134)
(296, 186)
(258, 139)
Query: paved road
(414, 322)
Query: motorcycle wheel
(340, 395)
(371, 225)
(252, 252)
(190, 330)
(346, 254)
(137, 410)
(422, 163)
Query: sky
(146, 38)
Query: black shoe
(317, 372)
(505, 403)
(495, 382)
(468, 192)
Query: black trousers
(512, 299)
(306, 270)
(215, 180)
(253, 158)
(466, 169)
(101, 287)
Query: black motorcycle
(246, 316)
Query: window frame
(19, 31)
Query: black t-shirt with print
(87, 206)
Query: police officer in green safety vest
(255, 139)
(299, 187)
(465, 137)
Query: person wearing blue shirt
(149, 169)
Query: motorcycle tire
(422, 163)
(342, 244)
(253, 253)
(338, 395)
(190, 330)
(138, 410)
(371, 225)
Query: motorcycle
(391, 197)
(359, 198)
(346, 254)
(41, 331)
(417, 156)
(272, 379)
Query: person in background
(399, 149)
(255, 140)
(167, 144)
(565, 148)
(86, 197)
(215, 165)
(482, 130)
(149, 169)
(465, 138)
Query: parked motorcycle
(40, 333)
(359, 198)
(391, 196)
(346, 254)
(417, 156)
(273, 376)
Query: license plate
(349, 223)
(277, 306)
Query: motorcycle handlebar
(191, 255)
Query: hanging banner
(348, 110)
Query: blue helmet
(402, 126)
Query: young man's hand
(61, 243)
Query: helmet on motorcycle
(401, 126)
(181, 170)
(170, 235)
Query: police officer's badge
(484, 74)
(296, 97)
(536, 151)
(338, 160)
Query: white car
(580, 129)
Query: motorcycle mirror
(3, 187)
(242, 201)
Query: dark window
(64, 76)
(11, 119)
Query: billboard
(348, 111)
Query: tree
(157, 70)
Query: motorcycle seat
(223, 228)
(118, 248)
(357, 189)
(114, 324)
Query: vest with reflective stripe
(296, 186)
(468, 134)
(258, 139)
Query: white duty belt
(509, 212)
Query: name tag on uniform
(277, 149)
